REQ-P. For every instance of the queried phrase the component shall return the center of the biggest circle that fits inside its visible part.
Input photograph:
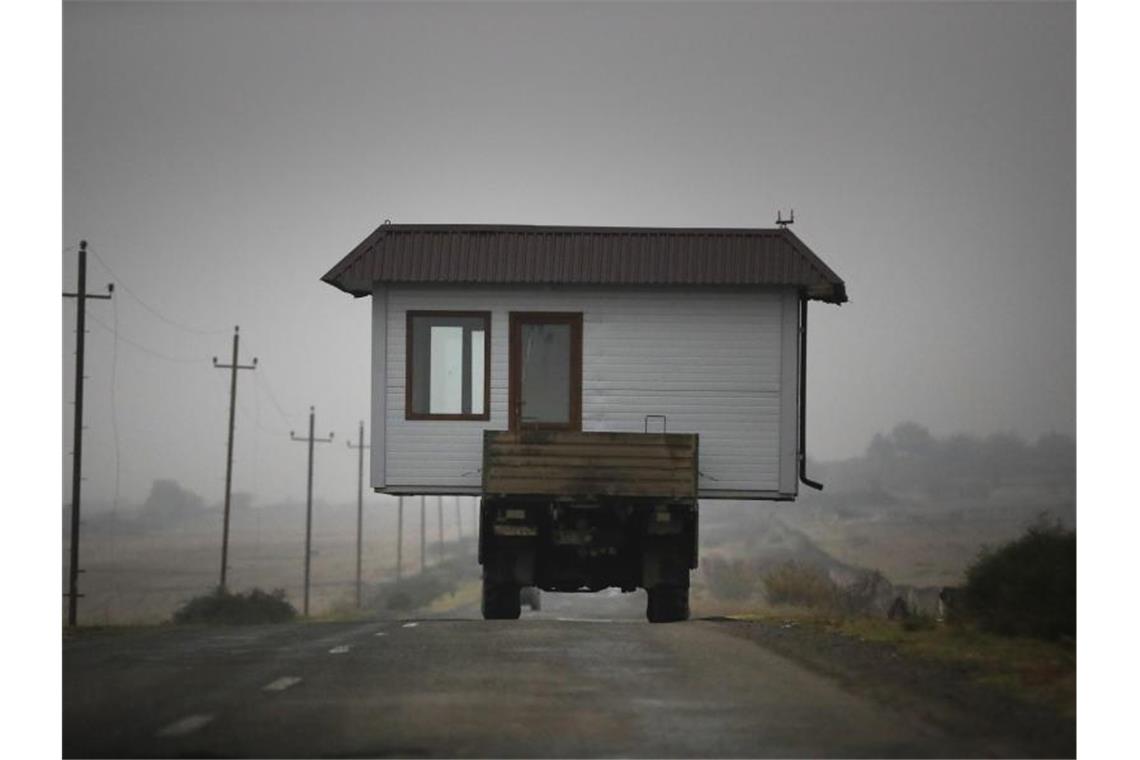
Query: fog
(221, 157)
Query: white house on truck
(607, 329)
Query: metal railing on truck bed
(590, 464)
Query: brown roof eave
(357, 272)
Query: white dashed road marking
(339, 650)
(281, 684)
(410, 625)
(187, 725)
(381, 633)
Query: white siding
(377, 459)
(790, 396)
(714, 361)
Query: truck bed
(590, 464)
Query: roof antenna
(780, 220)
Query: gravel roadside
(946, 694)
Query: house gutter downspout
(803, 396)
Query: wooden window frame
(517, 318)
(409, 413)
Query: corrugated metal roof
(505, 254)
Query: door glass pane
(545, 373)
(446, 370)
(478, 354)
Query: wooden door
(545, 390)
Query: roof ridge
(583, 229)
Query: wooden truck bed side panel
(584, 464)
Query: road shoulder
(948, 695)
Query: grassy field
(137, 573)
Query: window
(449, 364)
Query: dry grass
(913, 547)
(467, 593)
(138, 577)
(1032, 670)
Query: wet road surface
(574, 680)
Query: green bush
(1027, 587)
(221, 606)
(415, 591)
(801, 585)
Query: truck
(584, 511)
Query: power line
(150, 308)
(146, 349)
(273, 400)
(254, 416)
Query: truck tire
(500, 601)
(667, 604)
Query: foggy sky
(221, 157)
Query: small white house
(612, 329)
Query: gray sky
(221, 157)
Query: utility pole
(80, 295)
(439, 504)
(458, 521)
(423, 533)
(311, 439)
(233, 367)
(400, 539)
(360, 447)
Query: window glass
(446, 370)
(478, 371)
(545, 373)
(447, 364)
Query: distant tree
(1006, 456)
(960, 452)
(1055, 455)
(910, 459)
(881, 448)
(913, 440)
(169, 502)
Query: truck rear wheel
(500, 600)
(667, 604)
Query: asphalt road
(583, 678)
